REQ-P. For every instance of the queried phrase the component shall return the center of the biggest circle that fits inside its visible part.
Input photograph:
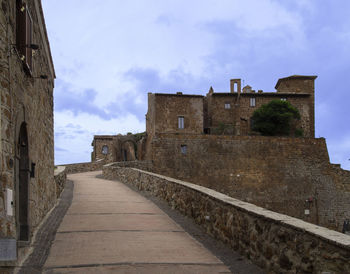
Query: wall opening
(125, 155)
(252, 101)
(181, 122)
(105, 150)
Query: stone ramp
(110, 228)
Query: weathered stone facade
(114, 148)
(287, 175)
(103, 148)
(83, 167)
(231, 112)
(165, 110)
(143, 165)
(26, 122)
(60, 176)
(276, 242)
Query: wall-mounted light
(44, 77)
(33, 46)
(30, 46)
(14, 49)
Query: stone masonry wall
(276, 242)
(241, 111)
(169, 107)
(98, 143)
(300, 102)
(29, 100)
(216, 109)
(301, 84)
(84, 167)
(60, 179)
(287, 175)
(119, 148)
(143, 165)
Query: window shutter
(21, 28)
(29, 34)
(24, 33)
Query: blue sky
(108, 54)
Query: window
(24, 33)
(183, 149)
(227, 106)
(252, 102)
(181, 121)
(283, 99)
(105, 150)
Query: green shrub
(299, 132)
(275, 118)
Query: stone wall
(298, 85)
(166, 108)
(84, 167)
(60, 179)
(98, 143)
(232, 110)
(128, 152)
(287, 175)
(117, 148)
(26, 125)
(239, 113)
(143, 165)
(276, 242)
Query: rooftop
(299, 77)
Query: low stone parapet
(276, 242)
(143, 165)
(60, 176)
(84, 167)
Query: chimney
(235, 83)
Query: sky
(108, 54)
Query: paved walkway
(109, 228)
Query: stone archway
(22, 193)
(128, 152)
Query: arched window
(105, 150)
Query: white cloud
(96, 43)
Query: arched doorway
(23, 184)
(128, 150)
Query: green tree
(277, 118)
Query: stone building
(232, 112)
(27, 187)
(285, 174)
(114, 148)
(174, 113)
